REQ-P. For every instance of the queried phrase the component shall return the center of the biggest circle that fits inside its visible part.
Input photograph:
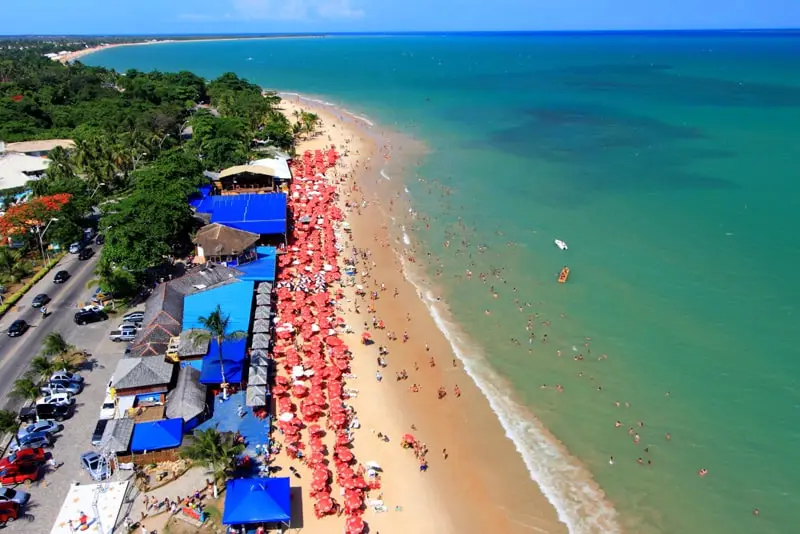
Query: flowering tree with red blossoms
(19, 218)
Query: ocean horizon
(666, 162)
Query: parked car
(99, 428)
(25, 456)
(125, 333)
(46, 426)
(100, 239)
(86, 253)
(17, 328)
(93, 307)
(57, 412)
(31, 441)
(9, 511)
(66, 375)
(133, 317)
(89, 316)
(74, 248)
(18, 496)
(95, 465)
(61, 277)
(40, 300)
(62, 386)
(57, 399)
(109, 408)
(17, 474)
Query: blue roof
(157, 435)
(233, 356)
(199, 200)
(236, 301)
(257, 500)
(257, 213)
(263, 268)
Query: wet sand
(483, 484)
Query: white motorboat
(562, 245)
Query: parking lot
(47, 495)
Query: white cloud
(296, 9)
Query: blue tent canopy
(263, 268)
(257, 500)
(233, 356)
(235, 300)
(157, 435)
(258, 213)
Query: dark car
(89, 316)
(17, 328)
(52, 411)
(86, 253)
(97, 435)
(100, 239)
(61, 277)
(40, 300)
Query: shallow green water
(669, 165)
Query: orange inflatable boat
(563, 275)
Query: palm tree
(8, 259)
(26, 388)
(9, 424)
(42, 367)
(54, 344)
(215, 326)
(214, 450)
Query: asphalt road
(17, 352)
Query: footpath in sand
(476, 480)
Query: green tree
(42, 367)
(213, 450)
(215, 326)
(54, 344)
(26, 388)
(9, 424)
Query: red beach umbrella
(355, 525)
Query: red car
(9, 511)
(24, 456)
(19, 473)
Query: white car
(93, 307)
(74, 248)
(109, 408)
(59, 399)
(65, 375)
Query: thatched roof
(257, 376)
(188, 399)
(256, 396)
(260, 341)
(220, 240)
(261, 326)
(264, 287)
(263, 312)
(190, 346)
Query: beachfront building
(226, 245)
(189, 400)
(245, 179)
(261, 214)
(39, 149)
(16, 169)
(141, 382)
(280, 165)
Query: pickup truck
(123, 334)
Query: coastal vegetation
(142, 142)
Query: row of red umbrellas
(311, 357)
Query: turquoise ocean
(670, 164)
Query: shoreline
(467, 427)
(77, 54)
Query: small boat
(563, 275)
(561, 244)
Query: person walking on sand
(378, 376)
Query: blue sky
(275, 16)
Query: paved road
(48, 494)
(17, 352)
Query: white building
(18, 169)
(279, 165)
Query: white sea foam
(386, 176)
(579, 502)
(406, 239)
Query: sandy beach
(476, 480)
